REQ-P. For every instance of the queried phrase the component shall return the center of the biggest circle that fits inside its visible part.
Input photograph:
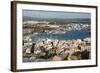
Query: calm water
(68, 35)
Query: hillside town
(54, 49)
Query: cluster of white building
(72, 45)
(61, 48)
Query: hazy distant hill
(58, 20)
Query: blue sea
(68, 35)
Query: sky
(55, 14)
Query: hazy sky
(54, 14)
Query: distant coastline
(33, 27)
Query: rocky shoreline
(56, 50)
